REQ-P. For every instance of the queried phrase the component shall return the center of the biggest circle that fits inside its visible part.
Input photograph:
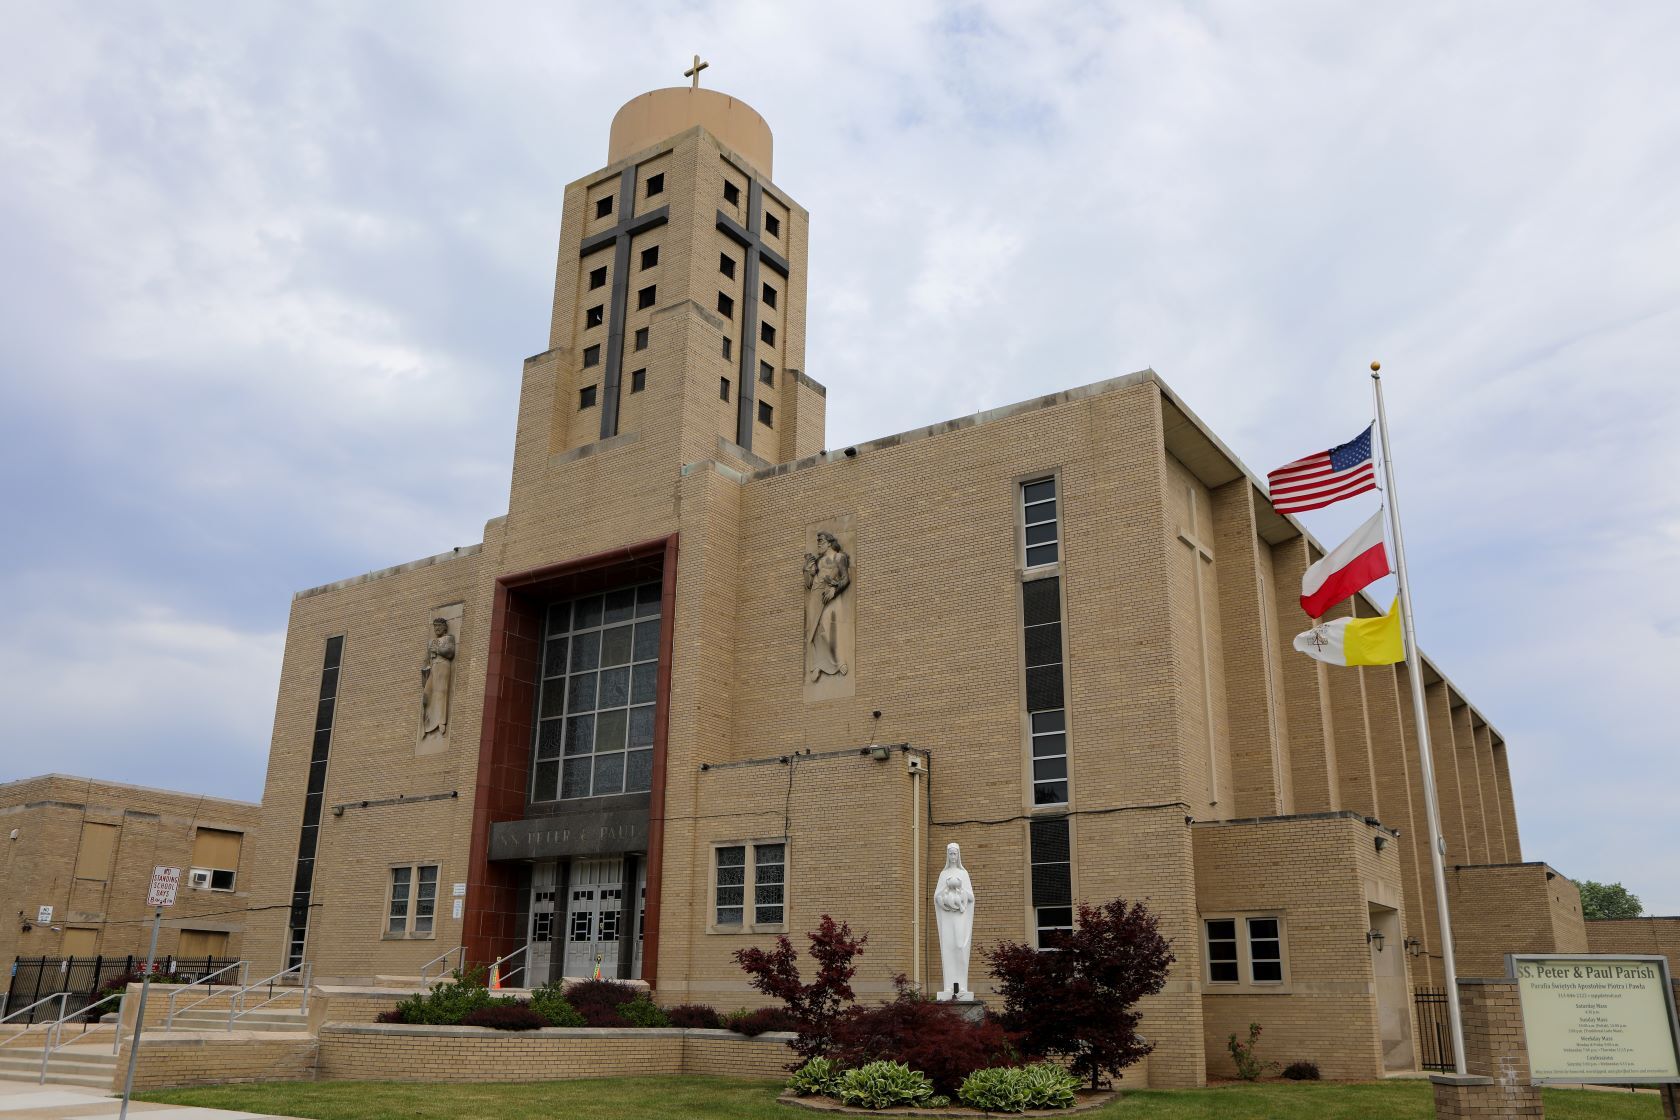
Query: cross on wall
(618, 238)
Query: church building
(709, 678)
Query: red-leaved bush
(924, 1035)
(598, 1001)
(1076, 1002)
(694, 1015)
(505, 1017)
(756, 1022)
(391, 1016)
(814, 1006)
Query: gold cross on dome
(694, 71)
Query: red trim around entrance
(513, 662)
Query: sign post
(165, 882)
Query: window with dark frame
(726, 265)
(641, 338)
(586, 397)
(1052, 878)
(763, 866)
(728, 347)
(594, 316)
(1265, 951)
(656, 184)
(766, 414)
(767, 373)
(595, 705)
(650, 256)
(315, 794)
(592, 355)
(1040, 527)
(723, 388)
(731, 193)
(603, 206)
(769, 296)
(772, 225)
(1041, 617)
(413, 906)
(638, 380)
(646, 297)
(725, 306)
(767, 334)
(597, 278)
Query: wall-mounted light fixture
(1380, 841)
(1413, 946)
(878, 752)
(1374, 937)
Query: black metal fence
(1435, 1048)
(85, 978)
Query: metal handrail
(442, 959)
(55, 1041)
(64, 1001)
(174, 995)
(496, 964)
(237, 1008)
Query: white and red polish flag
(1357, 562)
(1325, 478)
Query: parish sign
(1598, 1019)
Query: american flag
(1325, 478)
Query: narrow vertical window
(725, 306)
(1222, 950)
(646, 297)
(731, 885)
(597, 278)
(767, 373)
(425, 899)
(641, 338)
(591, 355)
(1041, 615)
(401, 881)
(1265, 951)
(726, 265)
(769, 296)
(1039, 524)
(723, 388)
(728, 348)
(767, 334)
(1052, 879)
(769, 878)
(303, 879)
(766, 415)
(638, 380)
(650, 256)
(772, 225)
(594, 317)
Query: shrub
(118, 983)
(1301, 1071)
(550, 1002)
(449, 1003)
(1249, 1066)
(884, 1085)
(699, 1015)
(512, 1015)
(757, 1022)
(643, 1012)
(601, 1002)
(938, 1100)
(996, 1090)
(814, 1006)
(926, 1036)
(1049, 1085)
(1078, 1002)
(819, 1077)
(391, 1016)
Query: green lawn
(672, 1098)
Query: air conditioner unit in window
(199, 878)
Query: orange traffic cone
(495, 978)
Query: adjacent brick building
(708, 678)
(79, 857)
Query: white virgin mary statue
(953, 909)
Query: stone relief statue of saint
(828, 572)
(436, 677)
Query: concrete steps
(91, 1066)
(267, 1019)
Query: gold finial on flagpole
(1375, 366)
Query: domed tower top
(662, 113)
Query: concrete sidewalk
(25, 1100)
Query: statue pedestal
(967, 1007)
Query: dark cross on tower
(618, 239)
(694, 71)
(752, 240)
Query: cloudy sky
(268, 272)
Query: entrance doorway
(581, 918)
(1388, 967)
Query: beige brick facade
(1512, 908)
(87, 848)
(1211, 769)
(1654, 936)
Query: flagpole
(1414, 667)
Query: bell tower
(679, 294)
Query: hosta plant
(819, 1077)
(884, 1085)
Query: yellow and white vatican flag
(1356, 641)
